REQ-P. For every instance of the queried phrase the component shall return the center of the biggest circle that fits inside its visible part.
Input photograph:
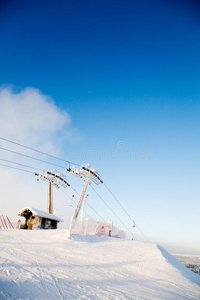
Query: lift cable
(38, 151)
(65, 193)
(62, 168)
(126, 212)
(142, 233)
(94, 211)
(18, 153)
(18, 164)
(118, 202)
(88, 204)
(75, 203)
(17, 168)
(113, 212)
(34, 173)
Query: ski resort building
(37, 219)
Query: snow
(45, 264)
(40, 213)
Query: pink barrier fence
(92, 227)
(5, 223)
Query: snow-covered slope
(47, 265)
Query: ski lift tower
(88, 174)
(54, 178)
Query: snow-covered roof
(39, 213)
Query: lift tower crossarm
(54, 178)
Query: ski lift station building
(37, 219)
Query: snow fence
(5, 223)
(92, 227)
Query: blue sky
(124, 71)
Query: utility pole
(87, 174)
(50, 198)
(83, 204)
(82, 196)
(54, 178)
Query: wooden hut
(37, 219)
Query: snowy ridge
(48, 265)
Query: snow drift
(47, 265)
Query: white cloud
(33, 119)
(30, 116)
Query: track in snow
(47, 265)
